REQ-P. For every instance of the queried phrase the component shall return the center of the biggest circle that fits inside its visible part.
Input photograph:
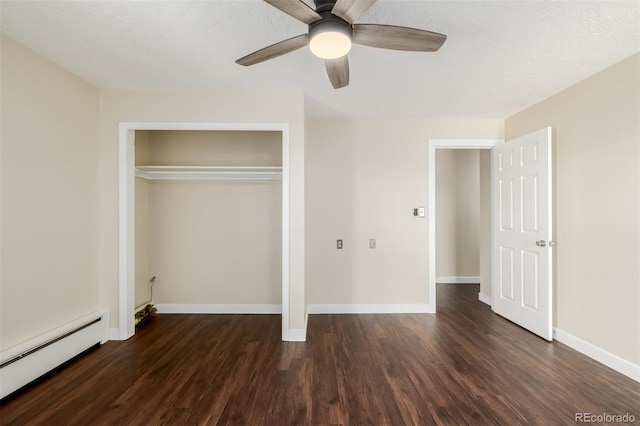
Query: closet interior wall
(209, 241)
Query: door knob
(541, 243)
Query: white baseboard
(170, 308)
(298, 334)
(106, 323)
(458, 280)
(26, 362)
(484, 298)
(610, 360)
(114, 334)
(417, 308)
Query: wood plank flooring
(464, 365)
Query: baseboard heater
(24, 363)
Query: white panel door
(521, 231)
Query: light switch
(421, 211)
(372, 243)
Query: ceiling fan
(332, 30)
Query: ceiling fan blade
(397, 38)
(338, 70)
(297, 9)
(274, 50)
(351, 10)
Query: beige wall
(215, 242)
(596, 167)
(485, 222)
(49, 196)
(457, 212)
(215, 148)
(364, 177)
(139, 106)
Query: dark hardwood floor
(464, 365)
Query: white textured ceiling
(500, 56)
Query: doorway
(458, 221)
(434, 144)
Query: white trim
(175, 308)
(286, 212)
(610, 360)
(416, 308)
(106, 323)
(465, 143)
(299, 334)
(126, 220)
(484, 298)
(114, 334)
(458, 280)
(141, 308)
(126, 198)
(431, 152)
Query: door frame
(126, 212)
(435, 144)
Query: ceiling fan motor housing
(330, 22)
(324, 5)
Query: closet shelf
(208, 173)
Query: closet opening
(204, 210)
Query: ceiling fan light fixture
(330, 38)
(330, 45)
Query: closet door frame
(126, 214)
